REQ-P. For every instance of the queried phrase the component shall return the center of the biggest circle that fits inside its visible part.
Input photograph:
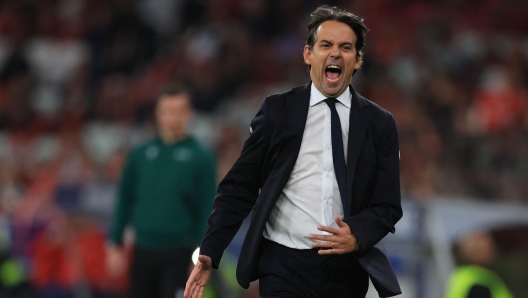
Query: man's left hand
(341, 241)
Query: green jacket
(166, 193)
(465, 277)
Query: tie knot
(331, 101)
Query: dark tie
(338, 153)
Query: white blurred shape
(195, 255)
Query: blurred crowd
(78, 80)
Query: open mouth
(333, 72)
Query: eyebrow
(341, 44)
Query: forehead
(335, 31)
(174, 100)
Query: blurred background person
(474, 279)
(165, 194)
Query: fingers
(197, 291)
(206, 261)
(342, 227)
(191, 284)
(325, 241)
(329, 247)
(194, 288)
(322, 237)
(115, 262)
(324, 244)
(188, 290)
(199, 277)
(340, 222)
(339, 241)
(331, 251)
(328, 229)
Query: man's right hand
(199, 278)
(116, 261)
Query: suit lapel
(296, 111)
(359, 122)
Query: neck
(172, 138)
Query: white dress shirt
(311, 196)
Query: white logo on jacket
(182, 155)
(152, 152)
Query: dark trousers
(159, 273)
(287, 272)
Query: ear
(190, 115)
(359, 61)
(189, 108)
(307, 54)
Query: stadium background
(78, 79)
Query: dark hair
(174, 89)
(326, 13)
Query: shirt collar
(316, 97)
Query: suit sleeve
(125, 201)
(238, 191)
(373, 223)
(205, 192)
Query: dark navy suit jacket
(259, 175)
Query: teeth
(334, 66)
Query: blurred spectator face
(478, 248)
(333, 58)
(172, 114)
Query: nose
(335, 53)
